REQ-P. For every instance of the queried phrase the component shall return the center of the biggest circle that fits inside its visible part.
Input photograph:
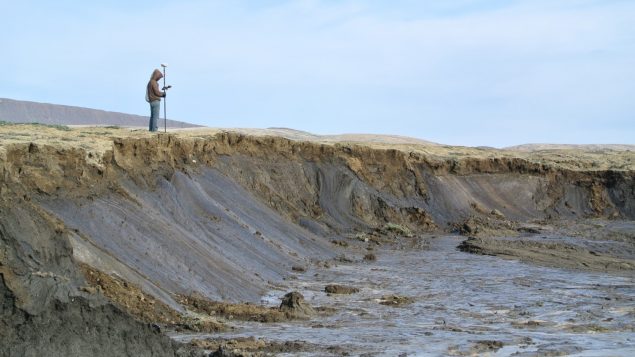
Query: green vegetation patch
(398, 229)
(54, 126)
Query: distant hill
(19, 111)
(584, 147)
(294, 134)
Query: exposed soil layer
(589, 245)
(129, 297)
(292, 307)
(229, 311)
(227, 217)
(547, 253)
(144, 307)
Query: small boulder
(370, 257)
(340, 289)
(395, 300)
(293, 303)
(469, 227)
(497, 213)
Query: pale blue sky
(466, 72)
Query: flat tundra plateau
(122, 242)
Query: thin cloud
(345, 66)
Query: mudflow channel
(460, 304)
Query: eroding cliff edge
(228, 216)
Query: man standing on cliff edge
(153, 96)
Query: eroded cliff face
(43, 307)
(293, 176)
(227, 217)
(301, 179)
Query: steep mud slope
(354, 187)
(43, 308)
(192, 233)
(166, 227)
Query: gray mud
(43, 309)
(594, 245)
(463, 304)
(198, 233)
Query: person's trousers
(155, 110)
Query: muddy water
(464, 304)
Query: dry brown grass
(97, 140)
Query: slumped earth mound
(227, 216)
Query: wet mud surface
(458, 304)
(593, 245)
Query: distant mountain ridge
(20, 111)
(585, 147)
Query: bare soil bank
(43, 308)
(227, 216)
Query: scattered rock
(469, 227)
(395, 300)
(370, 257)
(223, 351)
(89, 289)
(589, 328)
(486, 346)
(298, 268)
(477, 207)
(229, 311)
(343, 259)
(200, 325)
(530, 230)
(397, 229)
(340, 243)
(476, 226)
(340, 289)
(528, 324)
(476, 348)
(250, 346)
(338, 351)
(293, 303)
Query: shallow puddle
(464, 304)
